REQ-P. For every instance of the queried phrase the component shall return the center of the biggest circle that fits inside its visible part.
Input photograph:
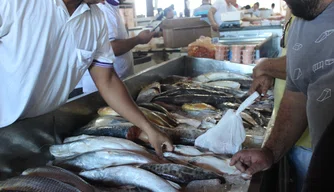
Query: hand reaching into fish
(252, 161)
(159, 141)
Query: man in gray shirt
(310, 81)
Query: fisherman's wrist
(270, 155)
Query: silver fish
(129, 175)
(77, 138)
(180, 173)
(34, 183)
(190, 150)
(104, 158)
(148, 93)
(94, 144)
(212, 163)
(216, 76)
(62, 175)
(224, 84)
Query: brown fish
(60, 174)
(34, 183)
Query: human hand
(145, 36)
(252, 161)
(260, 67)
(261, 84)
(215, 27)
(160, 142)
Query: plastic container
(247, 56)
(221, 52)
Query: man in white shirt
(45, 48)
(120, 42)
(219, 7)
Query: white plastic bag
(229, 134)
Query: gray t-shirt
(310, 59)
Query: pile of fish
(184, 108)
(112, 154)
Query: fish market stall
(28, 143)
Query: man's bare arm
(290, 124)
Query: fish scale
(36, 184)
(180, 173)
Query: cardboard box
(183, 31)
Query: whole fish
(212, 163)
(102, 159)
(182, 91)
(121, 130)
(184, 136)
(94, 144)
(180, 173)
(190, 150)
(129, 175)
(224, 84)
(62, 175)
(182, 99)
(155, 118)
(107, 111)
(216, 76)
(197, 107)
(34, 183)
(77, 138)
(148, 93)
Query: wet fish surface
(148, 93)
(182, 91)
(182, 99)
(180, 173)
(62, 175)
(94, 144)
(34, 183)
(217, 76)
(182, 136)
(217, 165)
(102, 159)
(129, 175)
(121, 130)
(224, 84)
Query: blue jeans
(300, 158)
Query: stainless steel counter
(25, 143)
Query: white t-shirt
(222, 7)
(124, 64)
(44, 52)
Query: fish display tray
(26, 143)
